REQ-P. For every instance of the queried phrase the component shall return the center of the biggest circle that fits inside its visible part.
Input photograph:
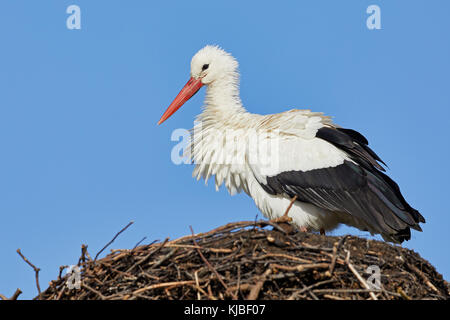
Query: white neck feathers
(222, 101)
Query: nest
(254, 260)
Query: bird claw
(304, 229)
(283, 219)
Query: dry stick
(424, 277)
(331, 297)
(84, 254)
(207, 262)
(167, 256)
(403, 293)
(254, 293)
(312, 294)
(273, 225)
(148, 256)
(238, 281)
(333, 290)
(254, 225)
(228, 227)
(117, 234)
(358, 276)
(94, 291)
(231, 226)
(210, 294)
(190, 246)
(200, 290)
(315, 285)
(163, 285)
(336, 248)
(61, 268)
(120, 255)
(282, 255)
(197, 285)
(242, 287)
(13, 297)
(36, 270)
(300, 267)
(140, 241)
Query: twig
(424, 278)
(117, 234)
(207, 262)
(344, 291)
(358, 276)
(229, 227)
(238, 282)
(210, 294)
(336, 248)
(148, 256)
(36, 270)
(197, 286)
(139, 242)
(282, 255)
(331, 297)
(61, 268)
(84, 254)
(167, 256)
(300, 267)
(254, 292)
(403, 293)
(94, 291)
(14, 296)
(215, 250)
(315, 285)
(163, 285)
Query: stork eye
(205, 66)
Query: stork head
(209, 65)
(212, 63)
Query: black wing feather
(359, 188)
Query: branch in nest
(36, 270)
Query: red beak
(191, 88)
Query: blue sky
(81, 154)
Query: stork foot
(283, 219)
(285, 223)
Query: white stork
(328, 173)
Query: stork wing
(337, 171)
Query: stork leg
(285, 218)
